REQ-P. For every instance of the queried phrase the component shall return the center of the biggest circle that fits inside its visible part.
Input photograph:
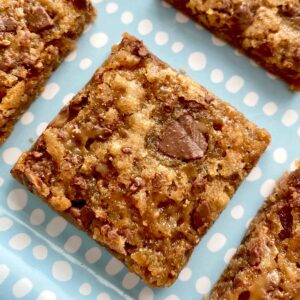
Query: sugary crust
(266, 30)
(267, 264)
(144, 159)
(35, 35)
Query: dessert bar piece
(35, 35)
(268, 31)
(267, 264)
(144, 159)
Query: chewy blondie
(144, 159)
(266, 30)
(35, 35)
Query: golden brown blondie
(35, 35)
(144, 159)
(267, 264)
(266, 30)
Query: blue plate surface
(43, 257)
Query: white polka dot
(11, 155)
(1, 181)
(145, 27)
(197, 61)
(181, 18)
(50, 91)
(47, 295)
(172, 297)
(185, 274)
(85, 64)
(216, 242)
(251, 99)
(56, 226)
(5, 223)
(146, 294)
(234, 84)
(113, 267)
(270, 108)
(280, 155)
(85, 289)
(93, 255)
(293, 166)
(96, 1)
(17, 199)
(216, 76)
(62, 271)
(161, 38)
(177, 47)
(99, 40)
(41, 128)
(290, 117)
(72, 56)
(20, 241)
(267, 187)
(217, 42)
(40, 252)
(238, 52)
(73, 244)
(68, 98)
(255, 174)
(111, 7)
(37, 216)
(229, 254)
(130, 281)
(103, 296)
(27, 118)
(127, 17)
(248, 223)
(237, 212)
(271, 76)
(22, 288)
(4, 272)
(203, 285)
(165, 4)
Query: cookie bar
(144, 159)
(267, 264)
(35, 35)
(268, 31)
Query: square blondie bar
(144, 159)
(267, 264)
(35, 35)
(268, 31)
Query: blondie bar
(266, 30)
(35, 35)
(267, 264)
(144, 159)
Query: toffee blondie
(35, 35)
(266, 30)
(267, 264)
(143, 159)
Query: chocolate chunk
(39, 19)
(264, 50)
(241, 18)
(255, 253)
(286, 220)
(183, 139)
(8, 24)
(86, 216)
(244, 295)
(81, 4)
(199, 184)
(289, 10)
(201, 215)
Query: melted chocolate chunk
(201, 215)
(286, 220)
(39, 19)
(8, 24)
(183, 139)
(244, 295)
(86, 216)
(81, 4)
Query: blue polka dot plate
(45, 258)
